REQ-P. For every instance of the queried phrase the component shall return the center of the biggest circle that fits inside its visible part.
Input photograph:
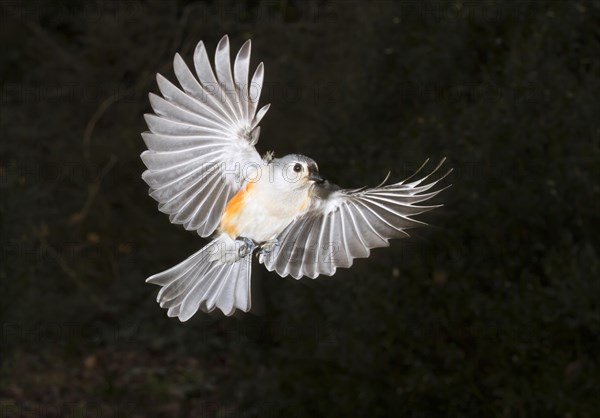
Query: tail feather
(202, 290)
(206, 280)
(217, 294)
(166, 277)
(227, 299)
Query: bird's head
(296, 171)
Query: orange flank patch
(233, 207)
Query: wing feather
(287, 260)
(324, 265)
(201, 131)
(159, 160)
(169, 176)
(345, 252)
(179, 113)
(170, 143)
(194, 200)
(368, 231)
(203, 67)
(162, 125)
(398, 220)
(298, 251)
(218, 206)
(309, 257)
(241, 68)
(357, 246)
(205, 104)
(225, 78)
(346, 224)
(255, 90)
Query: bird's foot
(246, 246)
(268, 247)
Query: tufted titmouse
(206, 174)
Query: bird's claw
(268, 247)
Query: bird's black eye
(298, 168)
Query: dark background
(491, 311)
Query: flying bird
(206, 174)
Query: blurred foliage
(491, 311)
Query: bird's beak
(316, 177)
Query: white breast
(267, 211)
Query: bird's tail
(214, 277)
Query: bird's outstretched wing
(202, 136)
(341, 225)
